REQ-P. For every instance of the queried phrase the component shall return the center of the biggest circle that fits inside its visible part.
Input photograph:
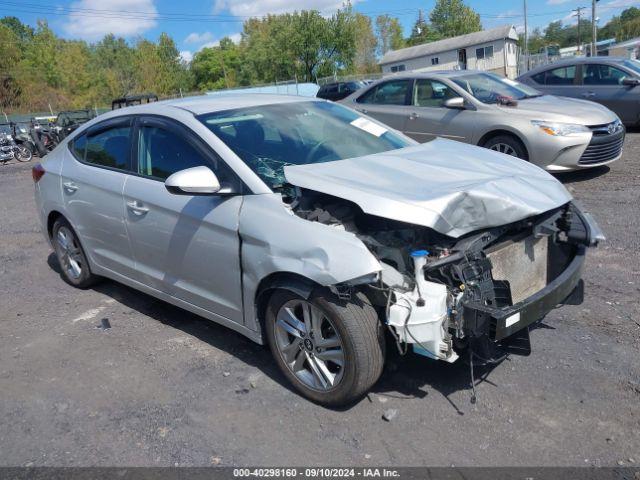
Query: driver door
(186, 246)
(429, 118)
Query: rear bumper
(509, 320)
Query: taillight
(37, 172)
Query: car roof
(203, 104)
(430, 74)
(564, 62)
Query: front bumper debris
(506, 321)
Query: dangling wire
(474, 398)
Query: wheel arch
(293, 282)
(503, 131)
(51, 219)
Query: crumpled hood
(562, 109)
(449, 186)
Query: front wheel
(508, 145)
(22, 153)
(331, 350)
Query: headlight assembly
(560, 129)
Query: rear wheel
(331, 350)
(508, 145)
(71, 256)
(23, 153)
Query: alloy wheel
(69, 253)
(504, 148)
(309, 345)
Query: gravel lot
(164, 387)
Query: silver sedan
(307, 226)
(556, 133)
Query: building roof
(431, 48)
(626, 43)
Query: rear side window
(162, 152)
(388, 93)
(106, 148)
(556, 76)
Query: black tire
(85, 278)
(517, 148)
(363, 344)
(23, 154)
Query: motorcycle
(10, 150)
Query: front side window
(594, 74)
(305, 132)
(105, 148)
(388, 93)
(162, 152)
(431, 93)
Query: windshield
(633, 65)
(490, 88)
(269, 137)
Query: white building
(493, 50)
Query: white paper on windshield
(508, 81)
(369, 127)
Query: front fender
(274, 240)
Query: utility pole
(594, 29)
(526, 35)
(578, 13)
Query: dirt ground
(164, 387)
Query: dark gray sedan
(612, 82)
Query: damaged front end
(442, 296)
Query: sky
(195, 24)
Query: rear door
(602, 83)
(184, 245)
(429, 118)
(387, 102)
(93, 178)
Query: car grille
(523, 264)
(606, 144)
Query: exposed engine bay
(442, 296)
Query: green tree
(365, 49)
(389, 33)
(421, 32)
(23, 32)
(217, 67)
(450, 18)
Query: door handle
(589, 94)
(136, 208)
(70, 186)
(413, 116)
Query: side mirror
(193, 181)
(630, 82)
(455, 103)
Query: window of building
(398, 68)
(435, 61)
(484, 52)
